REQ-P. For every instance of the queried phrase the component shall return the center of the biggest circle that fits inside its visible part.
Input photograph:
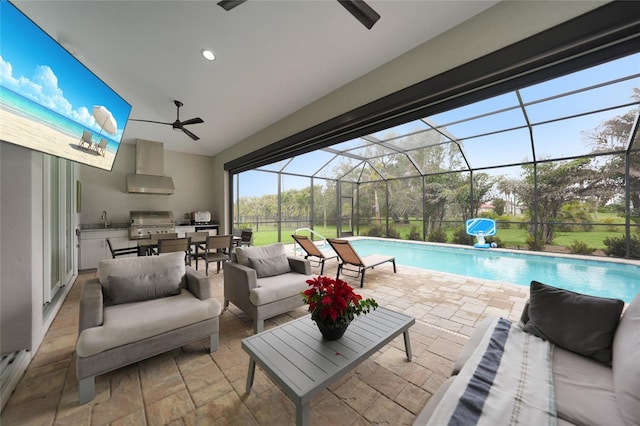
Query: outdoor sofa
(593, 377)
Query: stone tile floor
(189, 386)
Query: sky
(559, 139)
(37, 67)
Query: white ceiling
(272, 57)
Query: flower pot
(329, 333)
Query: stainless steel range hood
(149, 177)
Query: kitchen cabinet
(94, 248)
(182, 230)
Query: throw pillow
(138, 288)
(577, 322)
(626, 363)
(270, 266)
(243, 254)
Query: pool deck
(190, 386)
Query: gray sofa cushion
(270, 266)
(244, 253)
(149, 318)
(584, 390)
(137, 288)
(273, 289)
(139, 266)
(626, 363)
(577, 322)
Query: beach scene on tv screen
(50, 102)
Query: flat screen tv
(50, 102)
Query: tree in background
(608, 182)
(507, 187)
(468, 207)
(557, 183)
(499, 206)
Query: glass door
(58, 224)
(345, 213)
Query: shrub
(415, 234)
(393, 233)
(437, 236)
(460, 236)
(536, 245)
(495, 239)
(617, 246)
(580, 247)
(375, 231)
(504, 221)
(610, 222)
(489, 215)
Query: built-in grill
(144, 224)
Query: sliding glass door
(58, 225)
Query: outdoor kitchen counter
(93, 242)
(93, 227)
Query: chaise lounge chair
(312, 251)
(348, 256)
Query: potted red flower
(333, 305)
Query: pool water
(594, 277)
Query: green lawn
(511, 237)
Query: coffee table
(303, 364)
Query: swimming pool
(594, 277)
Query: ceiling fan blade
(191, 135)
(361, 11)
(150, 121)
(230, 4)
(196, 120)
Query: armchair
(264, 282)
(139, 307)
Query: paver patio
(190, 386)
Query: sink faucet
(104, 218)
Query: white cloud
(43, 89)
(6, 77)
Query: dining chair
(169, 245)
(198, 242)
(154, 238)
(246, 238)
(217, 249)
(124, 251)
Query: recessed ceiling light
(208, 55)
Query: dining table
(149, 246)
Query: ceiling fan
(358, 8)
(178, 125)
